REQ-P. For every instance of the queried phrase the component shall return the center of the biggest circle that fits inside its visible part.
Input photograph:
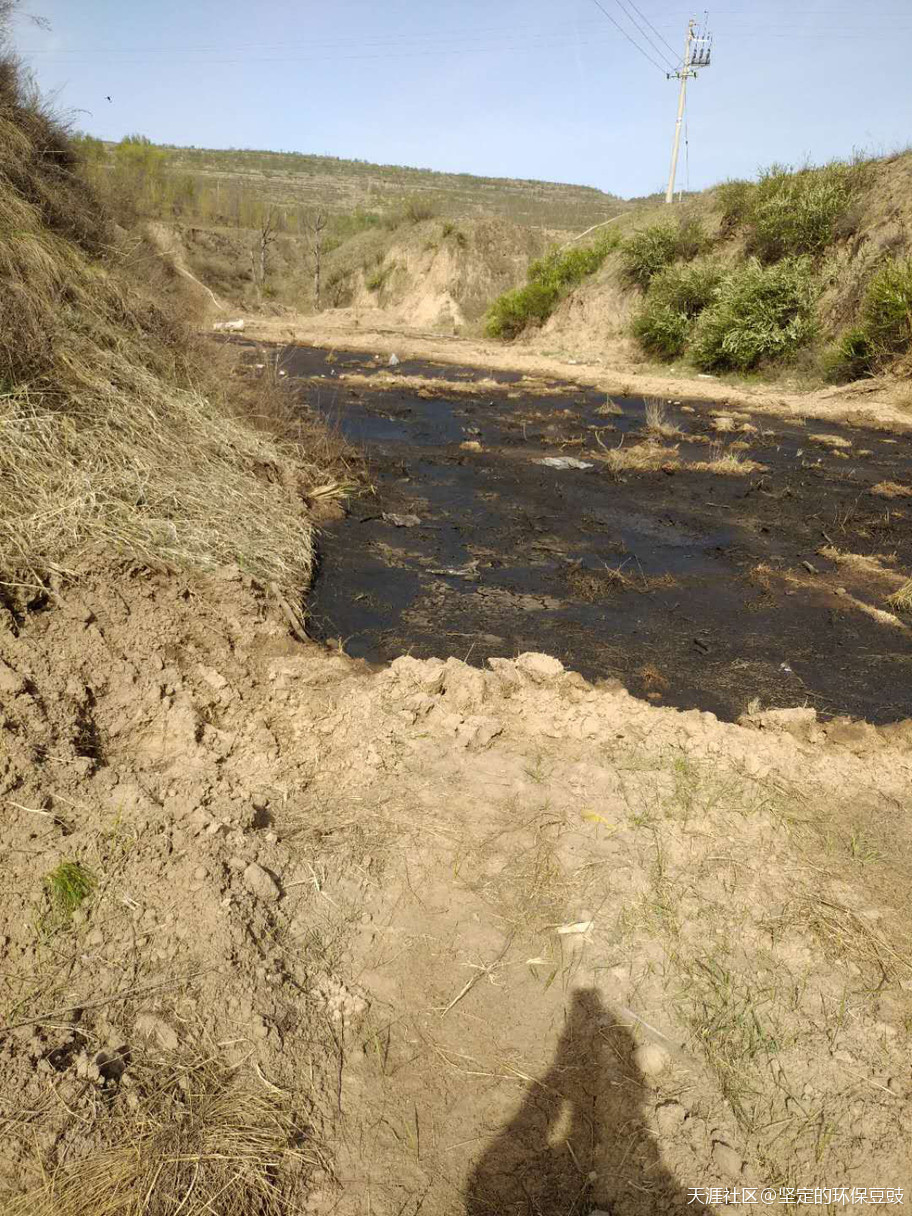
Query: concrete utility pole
(681, 100)
(694, 57)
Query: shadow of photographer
(579, 1140)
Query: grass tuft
(901, 600)
(67, 888)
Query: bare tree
(315, 227)
(267, 237)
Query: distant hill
(295, 179)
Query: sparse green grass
(66, 888)
(760, 313)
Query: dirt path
(502, 941)
(867, 403)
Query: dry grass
(610, 409)
(891, 489)
(195, 1138)
(592, 585)
(109, 442)
(831, 441)
(658, 422)
(726, 462)
(901, 600)
(638, 458)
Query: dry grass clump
(610, 409)
(197, 1139)
(107, 443)
(637, 458)
(727, 462)
(891, 489)
(657, 421)
(901, 600)
(592, 585)
(831, 441)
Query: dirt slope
(493, 941)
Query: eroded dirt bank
(450, 940)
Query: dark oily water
(699, 589)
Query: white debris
(394, 361)
(578, 926)
(230, 326)
(564, 462)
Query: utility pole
(697, 53)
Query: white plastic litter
(394, 361)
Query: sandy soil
(867, 403)
(504, 942)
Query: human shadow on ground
(579, 1140)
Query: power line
(674, 53)
(621, 29)
(658, 50)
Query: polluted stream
(699, 587)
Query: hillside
(296, 180)
(803, 275)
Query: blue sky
(519, 88)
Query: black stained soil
(696, 588)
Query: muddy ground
(697, 583)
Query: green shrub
(512, 312)
(887, 309)
(789, 214)
(849, 358)
(550, 278)
(759, 313)
(734, 199)
(651, 249)
(676, 297)
(885, 330)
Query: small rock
(237, 863)
(200, 873)
(540, 667)
(261, 883)
(401, 521)
(471, 445)
(651, 1059)
(727, 1159)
